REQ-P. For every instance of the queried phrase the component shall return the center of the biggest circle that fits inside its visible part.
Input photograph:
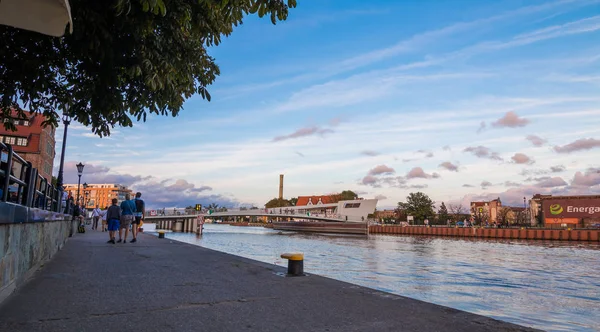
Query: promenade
(164, 285)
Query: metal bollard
(295, 263)
(161, 234)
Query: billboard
(572, 208)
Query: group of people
(129, 214)
(121, 218)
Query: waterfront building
(535, 209)
(32, 141)
(313, 200)
(486, 211)
(354, 210)
(565, 211)
(99, 194)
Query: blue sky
(459, 99)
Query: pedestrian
(113, 215)
(69, 204)
(63, 201)
(96, 213)
(140, 213)
(104, 221)
(127, 211)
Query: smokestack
(280, 186)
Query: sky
(462, 100)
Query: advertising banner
(571, 208)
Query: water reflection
(548, 285)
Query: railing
(20, 183)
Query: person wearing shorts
(127, 216)
(113, 216)
(104, 221)
(140, 208)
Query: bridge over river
(285, 214)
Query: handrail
(29, 188)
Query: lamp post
(524, 209)
(85, 195)
(66, 118)
(79, 173)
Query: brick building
(565, 211)
(99, 194)
(486, 211)
(32, 141)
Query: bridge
(271, 214)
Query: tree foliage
(505, 215)
(346, 195)
(458, 212)
(443, 214)
(125, 59)
(293, 201)
(418, 205)
(276, 202)
(481, 215)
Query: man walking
(96, 217)
(113, 215)
(140, 213)
(127, 211)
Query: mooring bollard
(161, 234)
(295, 263)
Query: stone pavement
(164, 285)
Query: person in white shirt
(63, 201)
(104, 221)
(96, 216)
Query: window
(9, 140)
(47, 168)
(351, 205)
(21, 141)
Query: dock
(165, 285)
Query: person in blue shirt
(127, 216)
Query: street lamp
(79, 173)
(526, 213)
(85, 195)
(66, 118)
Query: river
(553, 286)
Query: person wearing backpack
(140, 212)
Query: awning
(49, 17)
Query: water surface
(553, 286)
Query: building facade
(486, 211)
(99, 195)
(32, 141)
(566, 211)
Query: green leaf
(122, 61)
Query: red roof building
(31, 141)
(313, 200)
